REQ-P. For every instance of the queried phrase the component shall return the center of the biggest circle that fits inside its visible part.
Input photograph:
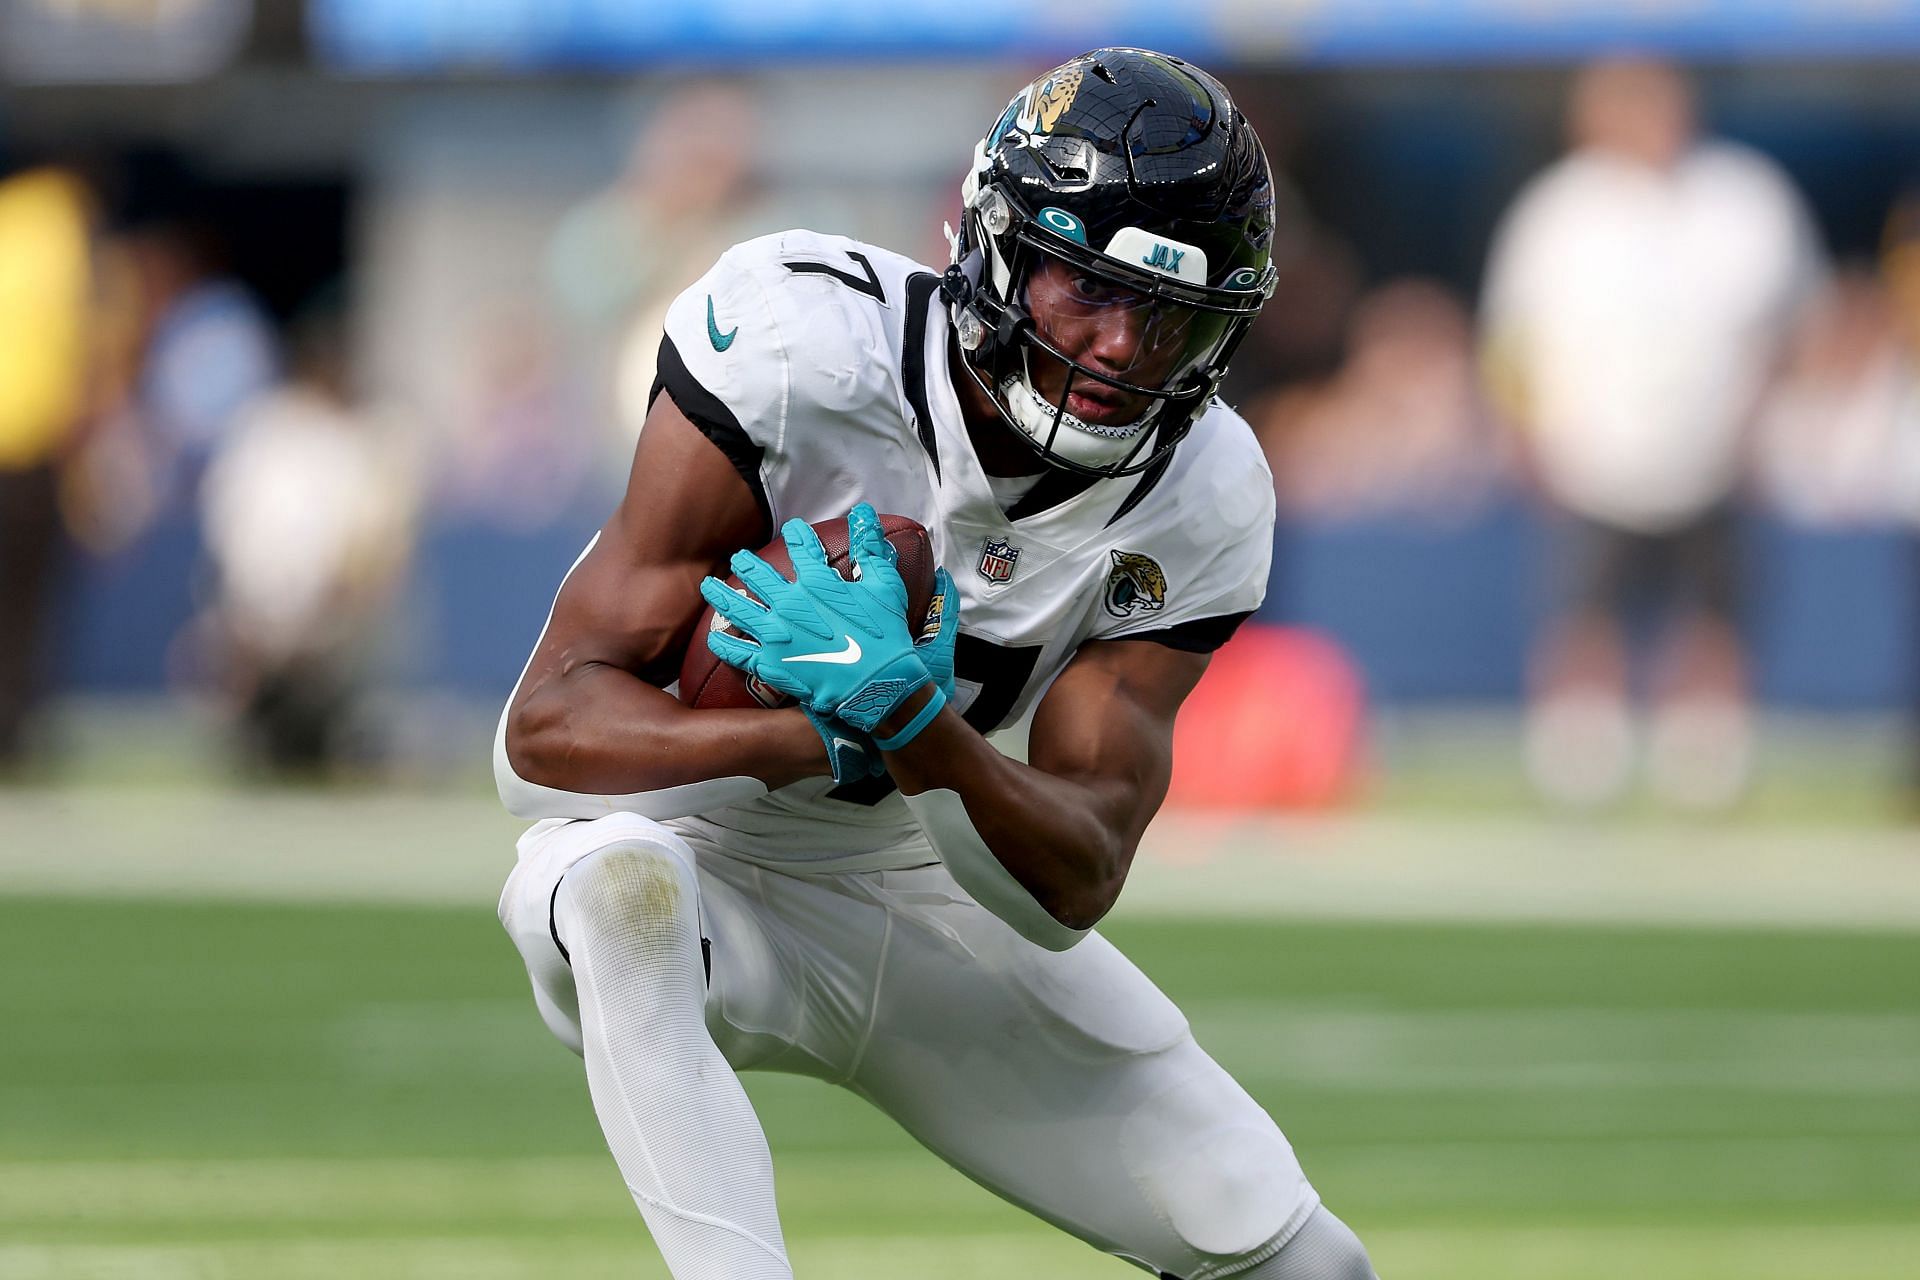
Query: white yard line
(380, 846)
(1520, 869)
(436, 847)
(932, 1256)
(1471, 1248)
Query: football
(707, 682)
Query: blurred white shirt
(307, 513)
(1642, 312)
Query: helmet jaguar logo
(1136, 582)
(1050, 101)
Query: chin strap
(943, 816)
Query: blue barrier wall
(1430, 611)
(1444, 612)
(427, 35)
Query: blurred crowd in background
(1612, 313)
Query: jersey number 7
(869, 285)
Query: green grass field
(274, 1092)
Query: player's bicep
(1107, 724)
(633, 599)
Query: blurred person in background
(209, 346)
(1398, 428)
(1637, 296)
(1900, 267)
(1305, 341)
(520, 461)
(1836, 441)
(46, 284)
(308, 509)
(618, 259)
(1900, 271)
(1900, 279)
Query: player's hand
(850, 752)
(936, 650)
(842, 648)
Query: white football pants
(1065, 1082)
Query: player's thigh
(736, 956)
(1069, 1084)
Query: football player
(863, 888)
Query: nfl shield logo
(997, 559)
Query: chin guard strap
(943, 816)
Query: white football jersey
(821, 366)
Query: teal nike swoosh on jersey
(721, 341)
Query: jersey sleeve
(781, 355)
(1190, 579)
(724, 362)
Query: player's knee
(1229, 1192)
(640, 893)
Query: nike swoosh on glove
(842, 648)
(850, 752)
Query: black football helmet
(1124, 189)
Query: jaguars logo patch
(1136, 584)
(1048, 101)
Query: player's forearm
(1059, 839)
(601, 730)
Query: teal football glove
(842, 648)
(851, 753)
(936, 651)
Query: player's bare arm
(1067, 824)
(591, 714)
